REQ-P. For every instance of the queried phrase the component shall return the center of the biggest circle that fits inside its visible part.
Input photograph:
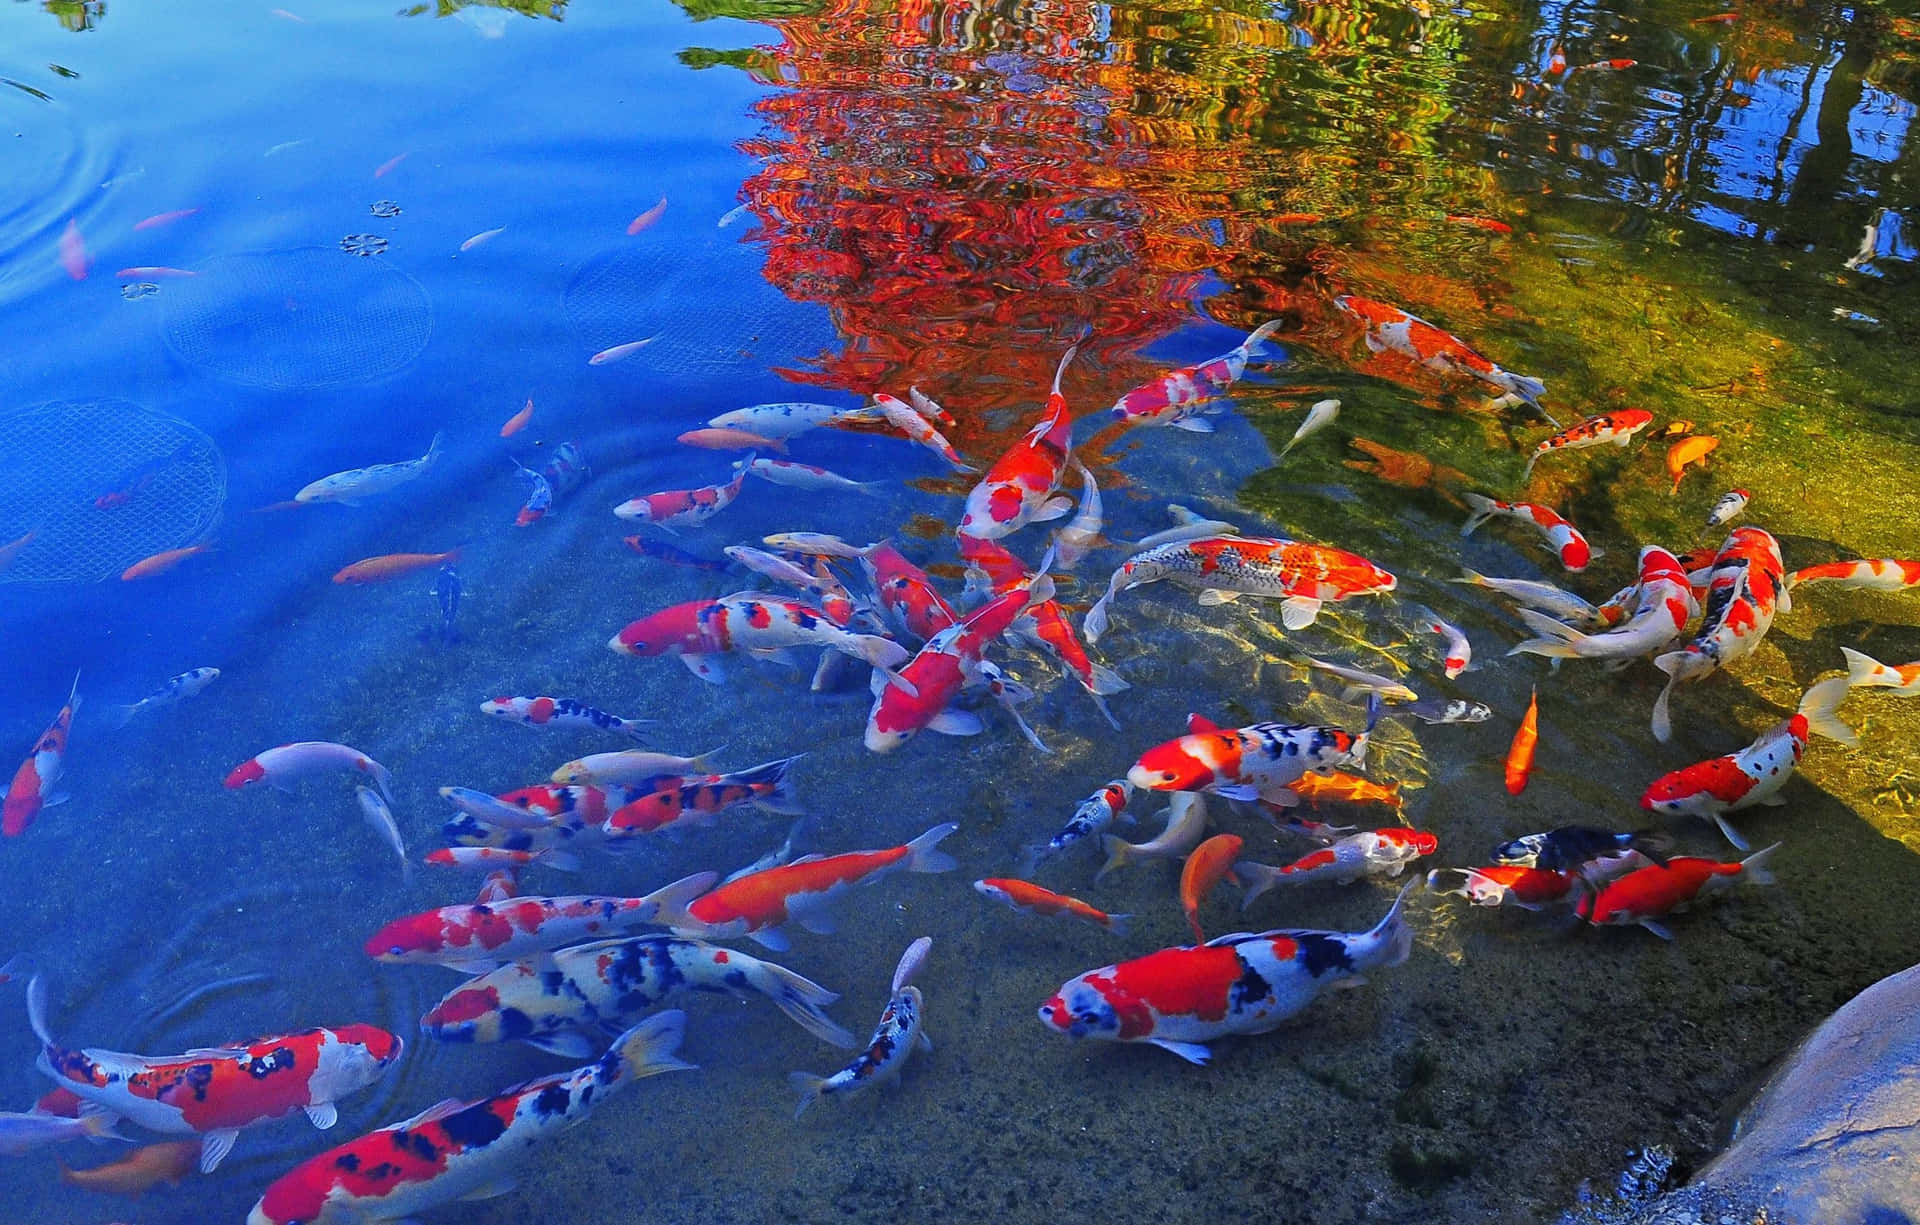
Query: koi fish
(1090, 816)
(1520, 752)
(701, 630)
(461, 1150)
(494, 859)
(1359, 681)
(1027, 896)
(620, 352)
(897, 1036)
(378, 815)
(780, 421)
(1303, 577)
(1186, 826)
(905, 593)
(675, 801)
(647, 218)
(1561, 535)
(1389, 327)
(1756, 773)
(1019, 488)
(164, 219)
(562, 712)
(160, 563)
(1459, 650)
(1664, 604)
(354, 486)
(551, 1002)
(1572, 848)
(1378, 852)
(1319, 417)
(808, 477)
(21, 1133)
(1498, 884)
(1345, 789)
(902, 417)
(1649, 894)
(937, 673)
(1081, 535)
(1728, 507)
(33, 783)
(1877, 574)
(280, 767)
(627, 767)
(483, 236)
(835, 600)
(722, 439)
(1444, 710)
(1043, 625)
(1259, 761)
(476, 938)
(1407, 469)
(215, 1092)
(759, 904)
(813, 544)
(1690, 450)
(1207, 865)
(1744, 589)
(646, 547)
(189, 684)
(494, 811)
(1864, 671)
(1188, 525)
(384, 168)
(1177, 398)
(11, 550)
(157, 272)
(677, 508)
(394, 565)
(1179, 999)
(1562, 604)
(140, 1171)
(1617, 428)
(74, 259)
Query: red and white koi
(1498, 884)
(1728, 507)
(281, 767)
(949, 662)
(835, 600)
(33, 783)
(1184, 398)
(461, 1150)
(494, 859)
(759, 904)
(1377, 852)
(215, 1092)
(677, 508)
(1179, 999)
(1565, 539)
(902, 417)
(491, 810)
(1186, 827)
(905, 593)
(1756, 773)
(1648, 894)
(1744, 590)
(481, 937)
(1303, 577)
(1090, 816)
(1019, 489)
(1389, 327)
(1044, 625)
(806, 476)
(897, 1036)
(1459, 650)
(929, 408)
(562, 712)
(1258, 761)
(702, 630)
(680, 801)
(1026, 896)
(1663, 604)
(1617, 428)
(1876, 574)
(1865, 672)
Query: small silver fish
(1186, 825)
(620, 352)
(1318, 417)
(1361, 682)
(1082, 532)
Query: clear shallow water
(946, 196)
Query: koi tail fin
(885, 655)
(1257, 877)
(647, 1049)
(1526, 387)
(1104, 682)
(1819, 706)
(924, 855)
(1662, 717)
(1864, 671)
(1483, 510)
(1119, 855)
(1466, 876)
(435, 447)
(1095, 622)
(1390, 941)
(37, 1008)
(382, 778)
(1259, 337)
(1032, 856)
(781, 798)
(1755, 869)
(671, 901)
(811, 1089)
(99, 1125)
(1527, 472)
(120, 716)
(1065, 359)
(1557, 640)
(802, 1000)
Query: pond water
(340, 231)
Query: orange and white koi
(948, 663)
(1526, 737)
(903, 417)
(1179, 999)
(33, 783)
(1303, 577)
(1090, 816)
(702, 630)
(1207, 865)
(1728, 507)
(1864, 672)
(1389, 327)
(1027, 896)
(1183, 398)
(1186, 825)
(1260, 761)
(1663, 604)
(1756, 773)
(394, 565)
(678, 801)
(1875, 574)
(759, 904)
(562, 712)
(1377, 852)
(280, 767)
(461, 1150)
(1561, 535)
(1648, 894)
(678, 508)
(1459, 650)
(1498, 884)
(1019, 489)
(1744, 589)
(481, 937)
(215, 1092)
(1617, 428)
(896, 1037)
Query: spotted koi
(1389, 327)
(33, 783)
(562, 712)
(700, 631)
(1561, 535)
(1020, 487)
(1377, 852)
(949, 662)
(1663, 604)
(1090, 816)
(897, 1036)
(1498, 884)
(678, 801)
(1184, 398)
(1617, 428)
(678, 508)
(1303, 577)
(1877, 574)
(1259, 761)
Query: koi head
(1418, 841)
(403, 938)
(1185, 764)
(359, 1056)
(246, 772)
(1079, 1011)
(670, 629)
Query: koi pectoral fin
(215, 1146)
(322, 1115)
(1192, 1052)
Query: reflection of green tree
(553, 9)
(750, 10)
(77, 15)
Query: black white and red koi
(681, 801)
(1617, 428)
(1564, 538)
(677, 508)
(461, 1150)
(1744, 590)
(1303, 577)
(562, 712)
(898, 1035)
(1648, 894)
(550, 1002)
(1663, 604)
(495, 859)
(1181, 998)
(1389, 327)
(1874, 574)
(1756, 773)
(1091, 816)
(1577, 848)
(1021, 486)
(1498, 884)
(1374, 852)
(1258, 761)
(215, 1092)
(1184, 398)
(539, 497)
(1866, 672)
(33, 783)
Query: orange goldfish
(647, 218)
(1520, 755)
(1345, 788)
(1691, 450)
(139, 1171)
(1025, 895)
(1210, 863)
(518, 421)
(160, 563)
(393, 565)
